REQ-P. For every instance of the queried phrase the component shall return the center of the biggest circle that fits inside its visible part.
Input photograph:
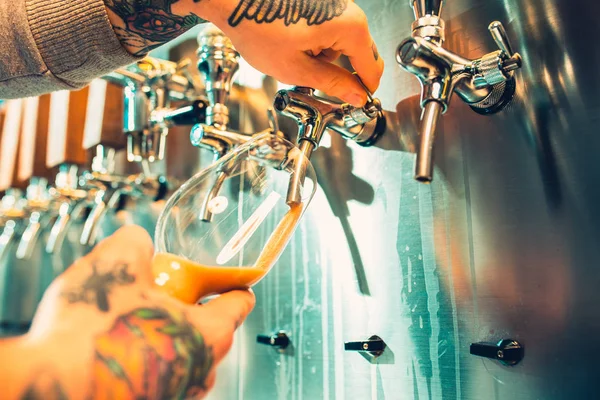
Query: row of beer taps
(157, 95)
(87, 191)
(149, 87)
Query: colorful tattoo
(97, 287)
(151, 353)
(148, 24)
(314, 12)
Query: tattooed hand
(295, 41)
(103, 331)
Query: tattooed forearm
(151, 353)
(97, 287)
(147, 24)
(314, 12)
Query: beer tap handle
(9, 147)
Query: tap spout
(104, 201)
(30, 236)
(300, 160)
(60, 227)
(7, 236)
(424, 165)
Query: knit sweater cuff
(76, 39)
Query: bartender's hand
(294, 41)
(104, 331)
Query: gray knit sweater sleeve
(48, 45)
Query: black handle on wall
(507, 351)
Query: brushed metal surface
(502, 244)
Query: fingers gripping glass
(226, 227)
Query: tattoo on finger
(97, 287)
(313, 12)
(375, 52)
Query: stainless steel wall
(504, 243)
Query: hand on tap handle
(294, 41)
(103, 330)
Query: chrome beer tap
(218, 62)
(109, 187)
(314, 115)
(150, 86)
(38, 207)
(12, 212)
(486, 84)
(71, 200)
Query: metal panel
(502, 244)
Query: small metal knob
(375, 346)
(280, 340)
(507, 351)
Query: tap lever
(500, 37)
(280, 340)
(507, 351)
(186, 115)
(511, 60)
(373, 346)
